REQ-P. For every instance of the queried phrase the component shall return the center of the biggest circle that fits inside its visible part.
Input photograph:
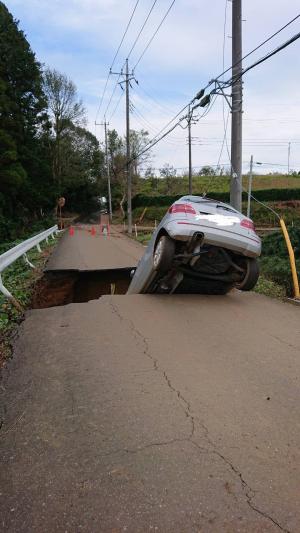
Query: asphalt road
(153, 413)
(85, 251)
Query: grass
(20, 280)
(269, 288)
(179, 185)
(144, 238)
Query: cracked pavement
(153, 413)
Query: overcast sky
(80, 38)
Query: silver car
(200, 246)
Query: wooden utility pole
(108, 171)
(127, 77)
(128, 165)
(237, 102)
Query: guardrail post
(8, 295)
(18, 251)
(27, 261)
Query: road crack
(185, 405)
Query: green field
(179, 185)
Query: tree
(168, 172)
(138, 140)
(117, 162)
(64, 109)
(207, 171)
(23, 123)
(150, 175)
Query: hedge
(264, 195)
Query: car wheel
(251, 268)
(163, 254)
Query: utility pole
(108, 171)
(289, 155)
(105, 124)
(250, 186)
(127, 79)
(128, 166)
(236, 110)
(190, 152)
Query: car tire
(251, 275)
(163, 254)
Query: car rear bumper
(226, 238)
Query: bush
(274, 261)
(264, 195)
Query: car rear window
(197, 200)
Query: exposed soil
(64, 287)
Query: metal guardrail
(20, 250)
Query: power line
(154, 34)
(115, 57)
(117, 105)
(127, 27)
(158, 104)
(227, 84)
(267, 56)
(112, 95)
(175, 137)
(255, 49)
(154, 141)
(225, 123)
(141, 30)
(171, 140)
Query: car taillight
(182, 208)
(247, 224)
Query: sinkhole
(62, 287)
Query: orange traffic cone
(93, 231)
(71, 231)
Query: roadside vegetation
(20, 280)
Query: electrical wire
(220, 155)
(124, 35)
(225, 123)
(154, 141)
(138, 117)
(117, 105)
(154, 34)
(159, 105)
(254, 49)
(261, 203)
(115, 57)
(141, 30)
(112, 95)
(175, 137)
(276, 50)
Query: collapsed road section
(62, 287)
(86, 265)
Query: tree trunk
(121, 204)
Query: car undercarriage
(194, 267)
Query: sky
(80, 38)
